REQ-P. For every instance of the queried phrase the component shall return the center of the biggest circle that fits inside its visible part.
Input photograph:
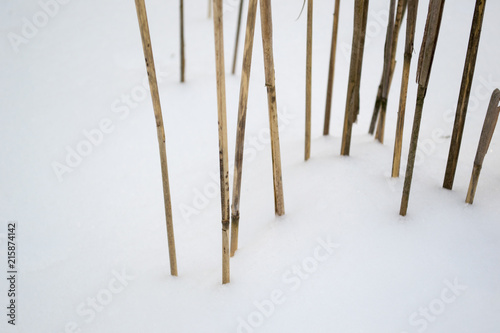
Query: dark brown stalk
(410, 37)
(490, 123)
(359, 64)
(307, 151)
(360, 17)
(426, 59)
(331, 69)
(400, 12)
(183, 57)
(463, 99)
(379, 135)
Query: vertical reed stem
(237, 41)
(331, 70)
(379, 135)
(463, 99)
(183, 58)
(223, 156)
(242, 115)
(426, 58)
(307, 152)
(352, 101)
(267, 41)
(410, 37)
(153, 84)
(490, 123)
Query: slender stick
(463, 99)
(267, 41)
(153, 84)
(237, 41)
(307, 152)
(413, 149)
(426, 59)
(183, 58)
(376, 108)
(360, 10)
(401, 9)
(242, 114)
(331, 70)
(209, 15)
(379, 135)
(410, 37)
(359, 64)
(484, 143)
(221, 106)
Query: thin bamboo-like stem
(223, 155)
(359, 64)
(153, 84)
(413, 150)
(183, 57)
(426, 59)
(331, 70)
(267, 41)
(401, 9)
(237, 41)
(410, 37)
(484, 143)
(379, 135)
(376, 108)
(360, 10)
(307, 151)
(349, 109)
(463, 99)
(242, 114)
(209, 15)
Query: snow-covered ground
(91, 238)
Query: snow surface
(436, 270)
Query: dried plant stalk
(352, 100)
(153, 84)
(223, 155)
(463, 98)
(490, 123)
(331, 69)
(242, 116)
(426, 58)
(410, 37)
(237, 41)
(307, 151)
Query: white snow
(99, 233)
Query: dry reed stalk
(463, 99)
(153, 84)
(352, 100)
(410, 37)
(359, 64)
(183, 57)
(223, 155)
(425, 61)
(307, 151)
(242, 114)
(237, 41)
(401, 9)
(267, 41)
(331, 69)
(484, 143)
(379, 135)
